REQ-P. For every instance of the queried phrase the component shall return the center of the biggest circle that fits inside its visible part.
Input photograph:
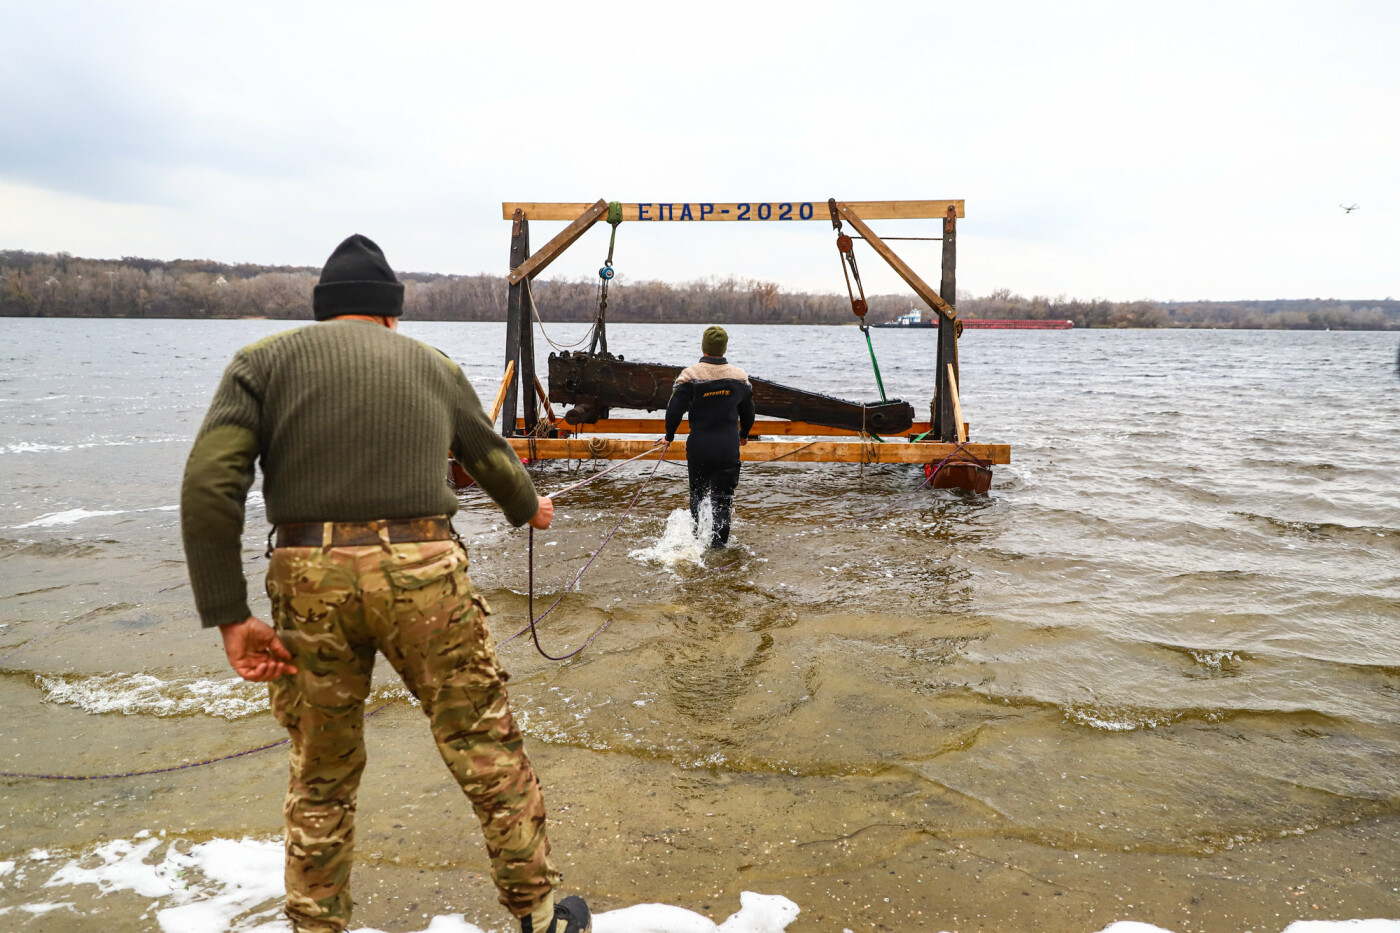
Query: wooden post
(515, 303)
(526, 371)
(948, 288)
(945, 419)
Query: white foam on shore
(758, 913)
(682, 542)
(142, 694)
(235, 886)
(73, 516)
(217, 886)
(30, 447)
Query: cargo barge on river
(914, 318)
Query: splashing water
(684, 541)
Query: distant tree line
(60, 285)
(1277, 314)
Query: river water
(1167, 638)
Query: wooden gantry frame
(617, 438)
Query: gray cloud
(1102, 149)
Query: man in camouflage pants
(351, 424)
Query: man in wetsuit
(720, 401)
(351, 424)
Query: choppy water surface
(1171, 627)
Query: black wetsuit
(720, 401)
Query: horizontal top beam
(740, 211)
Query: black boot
(570, 916)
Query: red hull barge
(1016, 325)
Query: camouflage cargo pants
(334, 608)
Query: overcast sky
(1121, 150)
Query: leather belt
(361, 534)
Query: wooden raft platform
(603, 381)
(600, 442)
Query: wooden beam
(957, 404)
(657, 427)
(548, 408)
(910, 277)
(738, 211)
(501, 392)
(584, 218)
(612, 448)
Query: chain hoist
(846, 247)
(605, 275)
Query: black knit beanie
(357, 280)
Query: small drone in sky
(1350, 208)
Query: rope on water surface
(933, 474)
(530, 604)
(604, 472)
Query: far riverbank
(60, 285)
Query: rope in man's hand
(530, 598)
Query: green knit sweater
(349, 421)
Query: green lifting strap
(878, 381)
(614, 218)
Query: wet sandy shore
(628, 832)
(882, 849)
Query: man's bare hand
(255, 651)
(545, 515)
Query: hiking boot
(570, 916)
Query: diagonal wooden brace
(562, 241)
(911, 277)
(501, 392)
